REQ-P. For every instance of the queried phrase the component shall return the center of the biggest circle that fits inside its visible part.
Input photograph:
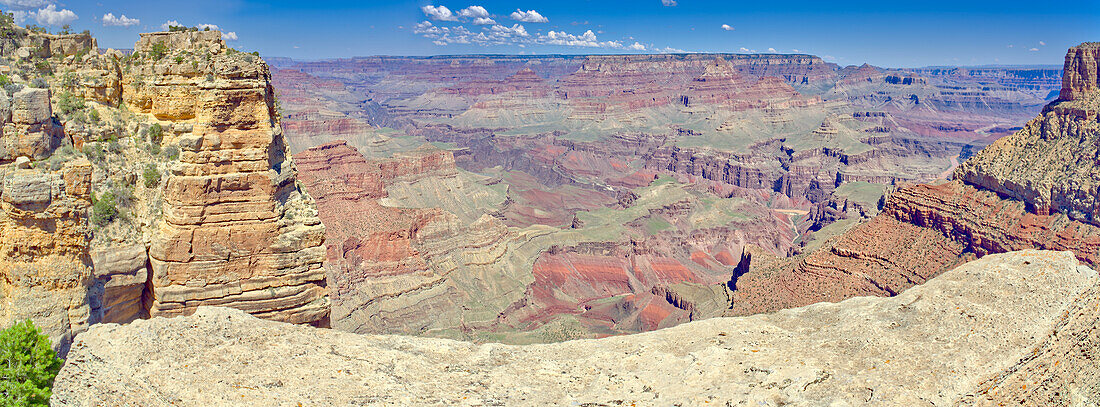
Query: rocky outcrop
(918, 348)
(1081, 75)
(124, 273)
(237, 230)
(1050, 163)
(1034, 189)
(29, 128)
(45, 271)
(922, 231)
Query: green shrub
(94, 152)
(4, 80)
(94, 116)
(28, 366)
(151, 176)
(67, 103)
(158, 51)
(156, 133)
(172, 152)
(154, 149)
(105, 208)
(179, 59)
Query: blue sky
(895, 34)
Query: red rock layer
(367, 243)
(923, 231)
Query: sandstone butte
(967, 337)
(227, 226)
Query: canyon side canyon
(473, 230)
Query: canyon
(544, 198)
(483, 229)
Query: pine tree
(28, 366)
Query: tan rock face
(1049, 164)
(1081, 76)
(45, 271)
(916, 349)
(28, 125)
(237, 231)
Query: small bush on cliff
(172, 152)
(105, 208)
(156, 133)
(67, 103)
(28, 366)
(151, 176)
(158, 51)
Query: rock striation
(918, 348)
(237, 231)
(222, 222)
(45, 270)
(29, 128)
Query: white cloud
(110, 20)
(210, 26)
(588, 39)
(474, 12)
(772, 50)
(52, 16)
(668, 3)
(727, 27)
(27, 4)
(484, 21)
(517, 35)
(670, 50)
(439, 13)
(230, 36)
(170, 23)
(1042, 43)
(1010, 45)
(1033, 49)
(529, 16)
(795, 50)
(514, 30)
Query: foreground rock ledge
(932, 345)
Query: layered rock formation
(222, 223)
(919, 348)
(1034, 189)
(237, 231)
(45, 270)
(29, 128)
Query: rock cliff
(237, 230)
(918, 348)
(45, 270)
(148, 184)
(1034, 189)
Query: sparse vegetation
(151, 176)
(172, 153)
(156, 134)
(158, 51)
(104, 208)
(28, 366)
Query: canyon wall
(237, 230)
(147, 185)
(1033, 189)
